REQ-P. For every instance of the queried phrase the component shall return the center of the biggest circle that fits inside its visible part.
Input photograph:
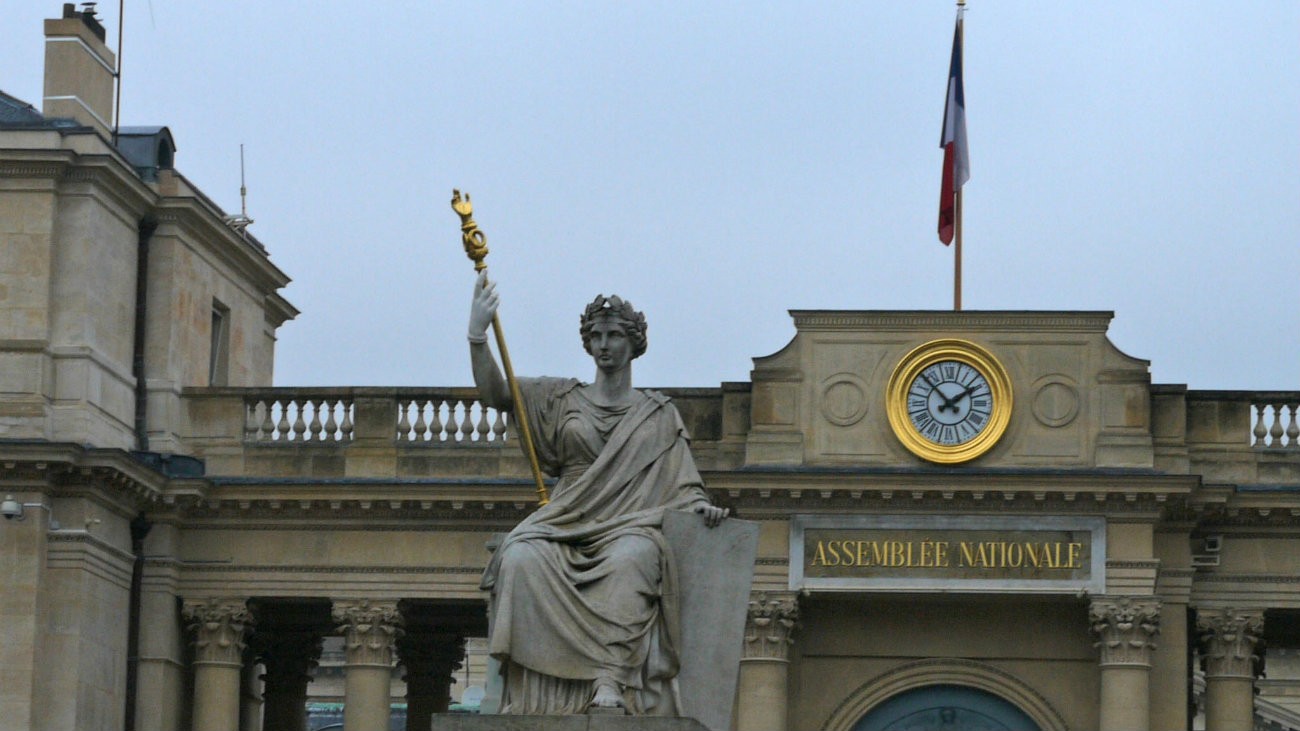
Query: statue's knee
(635, 549)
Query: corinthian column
(1125, 627)
(289, 658)
(430, 660)
(1228, 640)
(370, 632)
(219, 626)
(763, 704)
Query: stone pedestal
(219, 626)
(1228, 641)
(1125, 629)
(370, 631)
(765, 663)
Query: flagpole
(956, 278)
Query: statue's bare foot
(607, 695)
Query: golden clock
(949, 401)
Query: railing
(298, 418)
(451, 416)
(1277, 420)
(1265, 422)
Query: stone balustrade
(449, 415)
(1264, 420)
(1258, 430)
(442, 416)
(331, 431)
(1277, 420)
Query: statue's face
(609, 345)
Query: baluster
(481, 429)
(466, 424)
(435, 420)
(345, 428)
(331, 426)
(282, 427)
(316, 426)
(403, 421)
(421, 426)
(498, 425)
(251, 421)
(1293, 429)
(1261, 431)
(265, 429)
(1276, 431)
(299, 425)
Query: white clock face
(949, 402)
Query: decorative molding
(370, 631)
(1228, 640)
(930, 320)
(371, 569)
(1247, 578)
(843, 399)
(969, 673)
(219, 627)
(771, 621)
(1153, 563)
(1055, 402)
(1126, 628)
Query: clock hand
(946, 402)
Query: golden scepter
(475, 242)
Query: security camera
(11, 508)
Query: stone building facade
(182, 539)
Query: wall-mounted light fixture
(11, 509)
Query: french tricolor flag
(956, 160)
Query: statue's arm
(492, 386)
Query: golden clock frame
(920, 358)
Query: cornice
(202, 228)
(310, 569)
(945, 320)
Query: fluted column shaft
(219, 627)
(1125, 628)
(763, 688)
(370, 631)
(1228, 641)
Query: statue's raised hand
(482, 308)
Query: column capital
(770, 625)
(431, 655)
(370, 631)
(219, 627)
(1126, 627)
(1228, 641)
(288, 656)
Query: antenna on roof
(241, 221)
(117, 73)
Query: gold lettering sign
(947, 554)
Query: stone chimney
(79, 69)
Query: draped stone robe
(583, 587)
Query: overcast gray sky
(721, 163)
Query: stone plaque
(948, 553)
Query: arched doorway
(942, 707)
